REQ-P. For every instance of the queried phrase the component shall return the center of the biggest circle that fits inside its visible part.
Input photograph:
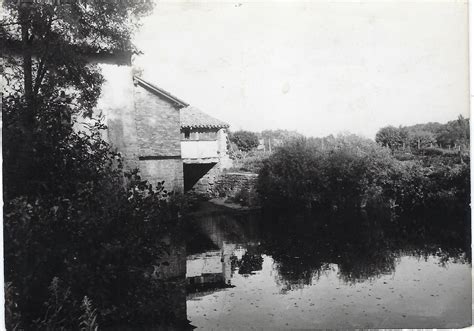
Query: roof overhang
(160, 92)
(201, 160)
(209, 127)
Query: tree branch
(42, 67)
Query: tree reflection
(360, 246)
(250, 263)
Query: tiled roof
(192, 117)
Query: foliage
(245, 197)
(352, 172)
(421, 139)
(391, 137)
(12, 312)
(249, 263)
(250, 162)
(420, 136)
(88, 319)
(244, 140)
(274, 138)
(80, 221)
(455, 133)
(234, 152)
(75, 227)
(49, 49)
(59, 309)
(59, 40)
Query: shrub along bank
(353, 172)
(80, 238)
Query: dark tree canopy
(47, 51)
(245, 140)
(390, 136)
(455, 133)
(452, 134)
(78, 228)
(48, 47)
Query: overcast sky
(321, 67)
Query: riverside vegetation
(80, 245)
(352, 172)
(407, 169)
(81, 235)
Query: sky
(320, 67)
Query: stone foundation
(170, 171)
(200, 179)
(231, 183)
(208, 181)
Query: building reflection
(213, 270)
(210, 270)
(233, 237)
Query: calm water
(247, 271)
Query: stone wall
(231, 183)
(205, 184)
(215, 183)
(144, 127)
(168, 170)
(158, 125)
(158, 139)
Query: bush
(250, 162)
(303, 174)
(78, 228)
(354, 172)
(244, 140)
(245, 197)
(102, 243)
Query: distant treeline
(246, 140)
(454, 134)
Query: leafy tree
(245, 140)
(74, 225)
(391, 137)
(455, 133)
(420, 136)
(87, 225)
(421, 139)
(47, 50)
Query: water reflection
(327, 271)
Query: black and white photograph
(235, 165)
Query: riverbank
(224, 202)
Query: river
(250, 271)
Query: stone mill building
(161, 135)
